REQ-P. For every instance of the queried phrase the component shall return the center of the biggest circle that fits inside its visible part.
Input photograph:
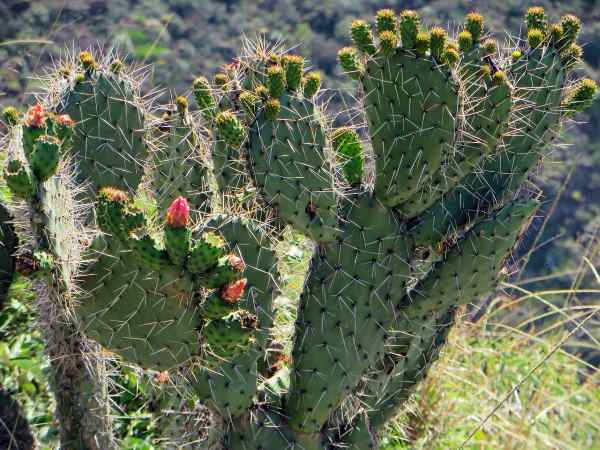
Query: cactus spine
(197, 295)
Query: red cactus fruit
(231, 292)
(178, 214)
(114, 194)
(65, 120)
(36, 116)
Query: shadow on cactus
(409, 225)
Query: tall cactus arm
(50, 220)
(469, 270)
(344, 310)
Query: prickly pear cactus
(454, 127)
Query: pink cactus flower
(178, 214)
(36, 116)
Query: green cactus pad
(19, 179)
(108, 140)
(411, 105)
(117, 215)
(151, 255)
(468, 271)
(265, 429)
(344, 308)
(179, 167)
(45, 157)
(349, 151)
(145, 317)
(291, 169)
(206, 253)
(230, 336)
(214, 307)
(224, 272)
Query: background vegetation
(555, 406)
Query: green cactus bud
(45, 157)
(275, 81)
(182, 104)
(228, 337)
(571, 56)
(486, 71)
(451, 56)
(580, 96)
(535, 37)
(206, 253)
(19, 179)
(474, 25)
(385, 20)
(362, 36)
(11, 116)
(490, 47)
(203, 95)
(388, 41)
(465, 41)
(149, 252)
(228, 269)
(348, 149)
(312, 84)
(262, 92)
(177, 244)
(556, 33)
(272, 108)
(438, 42)
(230, 129)
(410, 23)
(216, 307)
(536, 19)
(516, 55)
(79, 77)
(571, 26)
(422, 42)
(499, 78)
(221, 79)
(249, 102)
(349, 62)
(294, 68)
(116, 214)
(87, 61)
(116, 66)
